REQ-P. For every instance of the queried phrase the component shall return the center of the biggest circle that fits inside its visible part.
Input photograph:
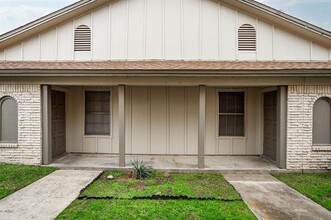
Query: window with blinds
(247, 38)
(97, 113)
(82, 38)
(232, 114)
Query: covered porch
(168, 127)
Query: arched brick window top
(247, 38)
(8, 120)
(322, 122)
(82, 38)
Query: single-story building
(167, 77)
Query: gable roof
(253, 7)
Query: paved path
(46, 198)
(271, 199)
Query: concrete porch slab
(171, 163)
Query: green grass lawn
(316, 186)
(198, 185)
(226, 203)
(15, 177)
(152, 209)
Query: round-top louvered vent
(83, 38)
(247, 38)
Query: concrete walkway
(48, 197)
(271, 199)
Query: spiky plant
(140, 170)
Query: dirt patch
(139, 185)
(158, 182)
(125, 177)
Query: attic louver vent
(83, 38)
(247, 38)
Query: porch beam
(281, 126)
(202, 121)
(46, 125)
(121, 119)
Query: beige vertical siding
(159, 120)
(164, 120)
(248, 145)
(77, 141)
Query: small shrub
(140, 170)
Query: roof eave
(307, 30)
(56, 18)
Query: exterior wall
(163, 120)
(248, 145)
(169, 30)
(301, 154)
(75, 120)
(28, 148)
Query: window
(247, 38)
(97, 112)
(82, 38)
(322, 122)
(231, 113)
(9, 120)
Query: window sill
(233, 137)
(8, 145)
(321, 147)
(97, 136)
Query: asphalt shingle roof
(165, 65)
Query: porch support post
(281, 126)
(121, 119)
(202, 121)
(46, 125)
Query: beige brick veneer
(301, 154)
(28, 148)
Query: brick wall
(28, 148)
(301, 154)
